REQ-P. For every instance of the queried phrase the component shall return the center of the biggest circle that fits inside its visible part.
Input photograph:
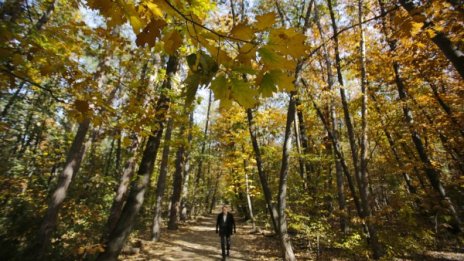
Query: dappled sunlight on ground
(197, 241)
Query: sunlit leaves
(265, 21)
(242, 32)
(219, 87)
(242, 93)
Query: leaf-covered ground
(196, 240)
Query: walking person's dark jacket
(225, 228)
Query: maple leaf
(150, 33)
(265, 21)
(172, 41)
(243, 32)
(242, 93)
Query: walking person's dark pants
(225, 242)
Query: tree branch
(206, 28)
(33, 83)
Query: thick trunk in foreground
(135, 199)
(123, 188)
(73, 162)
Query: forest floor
(196, 240)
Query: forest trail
(197, 240)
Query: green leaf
(219, 86)
(243, 94)
(267, 86)
(191, 83)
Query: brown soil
(197, 240)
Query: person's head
(224, 209)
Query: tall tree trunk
(338, 151)
(161, 184)
(346, 111)
(410, 187)
(71, 167)
(177, 183)
(247, 187)
(449, 49)
(338, 167)
(136, 195)
(129, 166)
(262, 175)
(287, 250)
(199, 176)
(431, 172)
(363, 183)
(123, 188)
(446, 108)
(187, 168)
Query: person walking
(224, 225)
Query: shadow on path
(198, 242)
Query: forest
(333, 129)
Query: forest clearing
(330, 129)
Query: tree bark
(123, 188)
(161, 184)
(287, 250)
(346, 111)
(177, 183)
(262, 175)
(136, 195)
(71, 167)
(363, 183)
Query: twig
(206, 28)
(33, 83)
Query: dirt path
(198, 241)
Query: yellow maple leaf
(155, 10)
(242, 32)
(265, 21)
(172, 41)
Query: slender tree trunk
(346, 111)
(71, 167)
(410, 187)
(287, 250)
(338, 152)
(136, 195)
(364, 181)
(187, 168)
(247, 187)
(161, 184)
(200, 160)
(262, 175)
(431, 172)
(177, 183)
(338, 167)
